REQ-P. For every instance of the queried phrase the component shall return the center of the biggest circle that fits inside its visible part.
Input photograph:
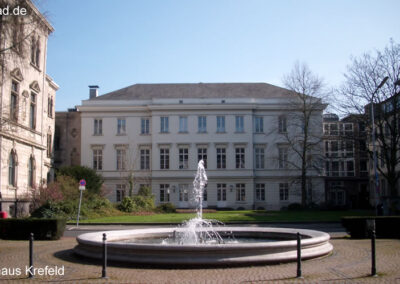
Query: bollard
(31, 255)
(373, 254)
(299, 256)
(104, 270)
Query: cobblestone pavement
(349, 263)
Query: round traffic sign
(82, 182)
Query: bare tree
(303, 129)
(365, 85)
(133, 171)
(16, 31)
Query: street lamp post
(373, 143)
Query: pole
(299, 256)
(373, 143)
(104, 270)
(376, 183)
(79, 208)
(373, 255)
(31, 255)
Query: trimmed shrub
(93, 206)
(94, 181)
(385, 226)
(145, 191)
(43, 229)
(166, 208)
(127, 205)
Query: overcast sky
(117, 43)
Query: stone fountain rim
(95, 238)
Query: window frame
(121, 126)
(202, 124)
(239, 124)
(240, 157)
(97, 126)
(164, 158)
(221, 157)
(221, 124)
(183, 124)
(164, 124)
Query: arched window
(31, 171)
(12, 161)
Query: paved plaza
(350, 262)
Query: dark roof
(199, 90)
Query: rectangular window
(239, 123)
(221, 158)
(283, 158)
(120, 192)
(202, 155)
(335, 169)
(258, 124)
(240, 192)
(32, 111)
(50, 107)
(350, 168)
(239, 157)
(221, 192)
(282, 124)
(283, 191)
(334, 149)
(145, 126)
(98, 127)
(334, 130)
(164, 124)
(348, 128)
(49, 144)
(145, 159)
(183, 192)
(220, 123)
(363, 168)
(349, 149)
(183, 124)
(97, 159)
(183, 158)
(164, 158)
(205, 195)
(259, 157)
(121, 126)
(164, 192)
(14, 101)
(202, 124)
(121, 154)
(260, 192)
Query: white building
(158, 132)
(27, 97)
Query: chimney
(93, 92)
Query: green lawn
(237, 216)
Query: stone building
(155, 134)
(26, 108)
(346, 162)
(67, 138)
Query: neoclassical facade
(26, 109)
(155, 134)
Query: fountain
(198, 242)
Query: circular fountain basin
(283, 248)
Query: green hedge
(20, 229)
(385, 226)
